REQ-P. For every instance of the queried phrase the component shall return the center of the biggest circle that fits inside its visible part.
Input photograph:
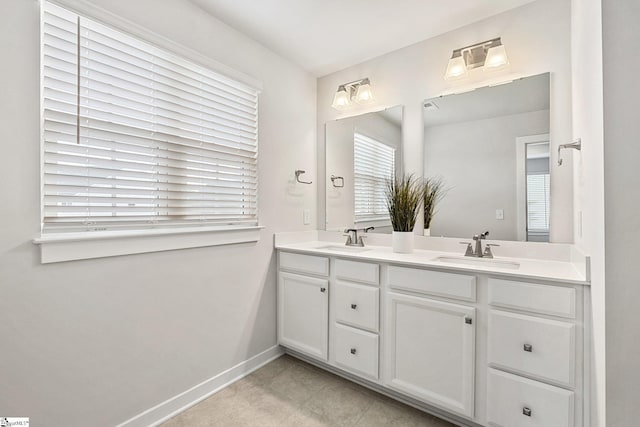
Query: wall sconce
(490, 54)
(358, 91)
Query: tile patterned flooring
(288, 392)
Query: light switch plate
(499, 213)
(306, 217)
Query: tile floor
(289, 392)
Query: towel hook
(298, 173)
(337, 178)
(576, 145)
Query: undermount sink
(478, 262)
(344, 248)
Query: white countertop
(539, 269)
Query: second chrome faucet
(478, 252)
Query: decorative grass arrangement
(404, 199)
(434, 191)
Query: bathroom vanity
(480, 342)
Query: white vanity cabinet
(430, 343)
(486, 349)
(303, 303)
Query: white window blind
(538, 190)
(137, 137)
(373, 165)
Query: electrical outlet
(500, 214)
(306, 217)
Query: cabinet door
(430, 351)
(303, 314)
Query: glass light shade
(341, 98)
(456, 68)
(496, 57)
(364, 94)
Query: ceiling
(521, 96)
(324, 36)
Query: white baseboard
(173, 406)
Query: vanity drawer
(544, 299)
(538, 347)
(458, 286)
(304, 263)
(514, 401)
(356, 350)
(355, 271)
(356, 305)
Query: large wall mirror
(362, 153)
(490, 147)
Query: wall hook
(298, 173)
(337, 178)
(576, 145)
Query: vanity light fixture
(490, 54)
(358, 91)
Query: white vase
(426, 232)
(402, 242)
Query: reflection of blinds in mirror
(373, 165)
(538, 202)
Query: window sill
(59, 247)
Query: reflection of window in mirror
(373, 166)
(538, 191)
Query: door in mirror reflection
(538, 187)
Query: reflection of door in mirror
(538, 191)
(479, 143)
(533, 182)
(364, 152)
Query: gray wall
(96, 342)
(477, 161)
(621, 40)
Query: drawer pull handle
(526, 411)
(528, 347)
(468, 320)
(354, 306)
(323, 290)
(353, 351)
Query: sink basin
(478, 262)
(344, 248)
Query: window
(373, 164)
(138, 137)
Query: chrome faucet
(353, 239)
(478, 252)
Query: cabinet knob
(323, 289)
(354, 306)
(528, 347)
(526, 411)
(353, 351)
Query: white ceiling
(323, 36)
